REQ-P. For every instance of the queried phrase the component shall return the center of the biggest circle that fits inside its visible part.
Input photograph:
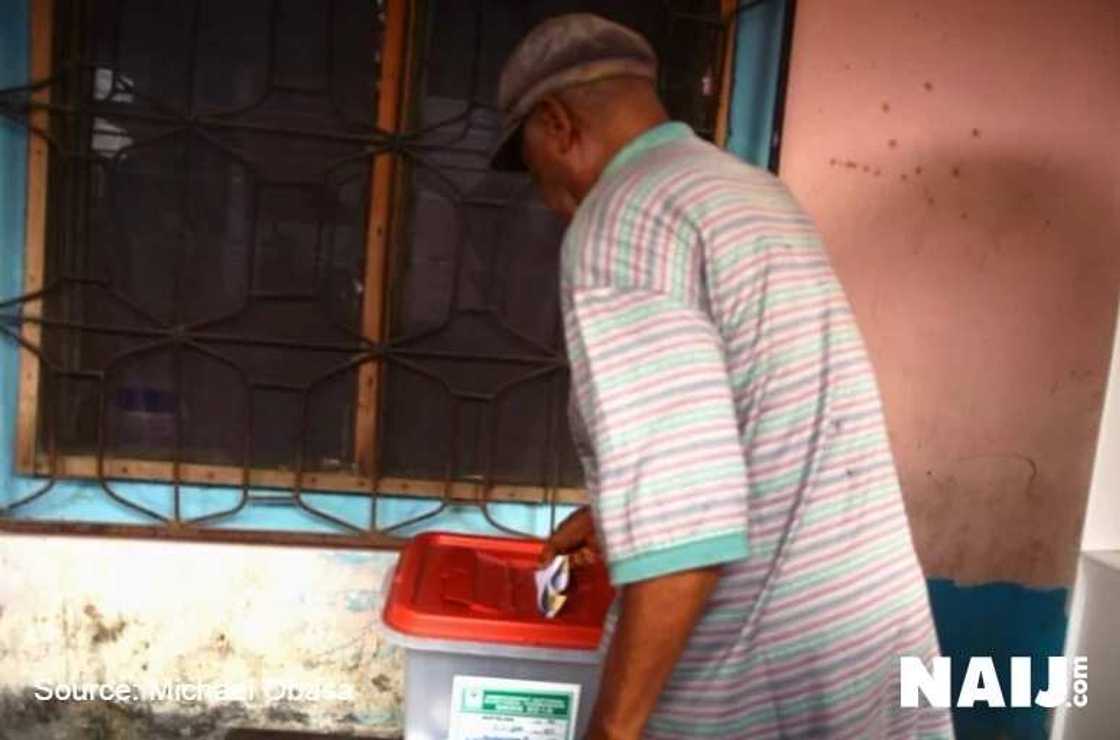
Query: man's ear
(557, 123)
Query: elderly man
(744, 495)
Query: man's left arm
(671, 500)
(656, 619)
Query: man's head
(575, 90)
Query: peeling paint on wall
(26, 718)
(1000, 620)
(298, 628)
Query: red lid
(469, 587)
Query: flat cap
(560, 52)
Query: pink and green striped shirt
(726, 413)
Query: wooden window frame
(398, 57)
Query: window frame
(399, 59)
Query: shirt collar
(660, 134)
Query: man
(744, 495)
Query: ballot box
(481, 661)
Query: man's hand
(574, 537)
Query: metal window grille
(205, 302)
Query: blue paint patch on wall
(757, 79)
(362, 600)
(1000, 620)
(13, 190)
(358, 558)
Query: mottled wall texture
(961, 159)
(290, 635)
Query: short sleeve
(650, 383)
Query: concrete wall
(289, 634)
(960, 158)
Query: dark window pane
(209, 198)
(477, 264)
(218, 183)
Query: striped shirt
(726, 413)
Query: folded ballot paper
(552, 583)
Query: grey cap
(557, 53)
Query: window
(266, 264)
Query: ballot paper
(552, 583)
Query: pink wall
(962, 159)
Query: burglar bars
(112, 137)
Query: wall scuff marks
(982, 263)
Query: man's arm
(656, 619)
(671, 496)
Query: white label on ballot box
(507, 709)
